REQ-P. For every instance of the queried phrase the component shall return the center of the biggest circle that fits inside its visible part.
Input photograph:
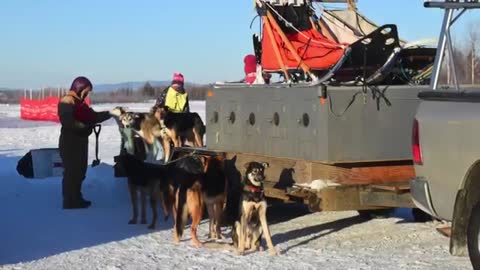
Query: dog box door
(276, 126)
(213, 123)
(231, 114)
(251, 117)
(306, 126)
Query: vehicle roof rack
(452, 4)
(445, 41)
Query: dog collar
(254, 189)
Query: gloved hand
(117, 111)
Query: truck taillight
(416, 150)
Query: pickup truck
(446, 145)
(446, 154)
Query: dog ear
(265, 165)
(246, 165)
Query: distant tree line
(122, 95)
(146, 92)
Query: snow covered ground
(35, 233)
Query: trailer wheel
(473, 233)
(420, 216)
(375, 213)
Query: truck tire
(473, 233)
(376, 213)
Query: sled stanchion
(289, 45)
(269, 30)
(96, 129)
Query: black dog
(148, 179)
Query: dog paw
(272, 252)
(132, 221)
(196, 243)
(151, 227)
(240, 253)
(176, 240)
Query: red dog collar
(254, 188)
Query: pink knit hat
(250, 62)
(177, 78)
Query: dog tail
(234, 195)
(202, 129)
(182, 213)
(166, 200)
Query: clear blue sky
(49, 42)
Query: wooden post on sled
(352, 5)
(290, 47)
(275, 48)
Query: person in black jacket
(77, 120)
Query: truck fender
(466, 198)
(458, 238)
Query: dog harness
(127, 137)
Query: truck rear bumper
(420, 191)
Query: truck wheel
(473, 233)
(420, 216)
(376, 213)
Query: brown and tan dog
(214, 191)
(185, 177)
(252, 225)
(198, 181)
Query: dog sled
(340, 47)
